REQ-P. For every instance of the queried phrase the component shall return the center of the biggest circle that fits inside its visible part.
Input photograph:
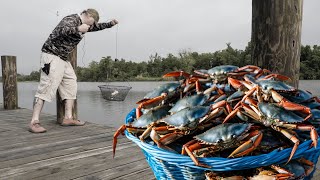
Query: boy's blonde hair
(93, 13)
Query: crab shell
(151, 116)
(224, 69)
(224, 133)
(300, 97)
(189, 101)
(273, 113)
(278, 86)
(164, 88)
(311, 105)
(315, 115)
(296, 168)
(188, 117)
(220, 73)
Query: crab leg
(146, 133)
(283, 173)
(183, 152)
(252, 67)
(231, 115)
(215, 113)
(308, 163)
(177, 74)
(278, 76)
(115, 137)
(238, 73)
(290, 105)
(248, 146)
(261, 72)
(237, 84)
(313, 132)
(248, 110)
(191, 146)
(169, 138)
(290, 136)
(149, 102)
(222, 104)
(155, 137)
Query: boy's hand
(83, 28)
(114, 22)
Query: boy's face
(89, 20)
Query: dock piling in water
(9, 79)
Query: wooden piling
(276, 36)
(61, 104)
(9, 80)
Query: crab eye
(219, 141)
(233, 136)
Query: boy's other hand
(83, 28)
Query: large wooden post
(61, 104)
(9, 80)
(276, 36)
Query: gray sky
(145, 27)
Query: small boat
(113, 92)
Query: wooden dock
(67, 152)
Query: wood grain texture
(65, 152)
(9, 79)
(276, 36)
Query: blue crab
(295, 169)
(265, 89)
(224, 136)
(184, 122)
(141, 124)
(194, 100)
(300, 168)
(220, 73)
(157, 96)
(279, 119)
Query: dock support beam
(61, 104)
(276, 36)
(9, 80)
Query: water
(93, 108)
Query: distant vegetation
(156, 66)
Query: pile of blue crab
(230, 112)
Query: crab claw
(237, 84)
(138, 112)
(290, 105)
(177, 74)
(149, 103)
(249, 67)
(261, 72)
(283, 173)
(115, 137)
(248, 146)
(278, 76)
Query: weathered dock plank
(65, 152)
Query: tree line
(108, 69)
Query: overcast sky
(145, 27)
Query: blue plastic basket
(169, 165)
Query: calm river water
(93, 108)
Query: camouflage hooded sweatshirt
(65, 37)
